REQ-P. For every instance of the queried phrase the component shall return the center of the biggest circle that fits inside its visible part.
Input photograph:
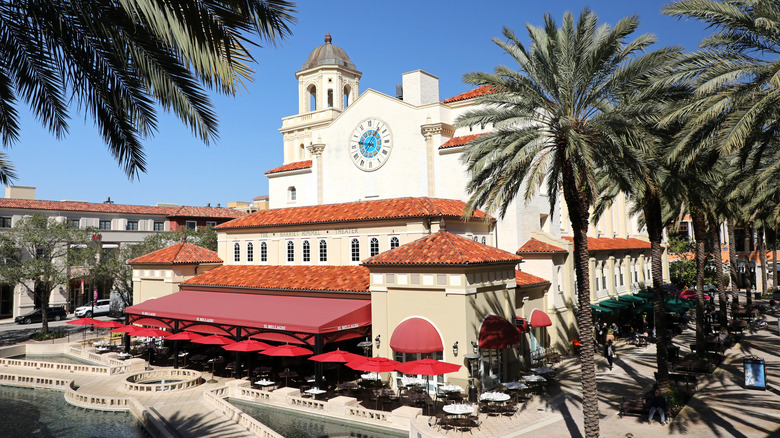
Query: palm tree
(118, 60)
(556, 124)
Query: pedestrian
(609, 352)
(656, 403)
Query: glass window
(484, 240)
(291, 194)
(394, 242)
(355, 250)
(290, 252)
(73, 223)
(211, 224)
(5, 222)
(374, 247)
(263, 252)
(306, 251)
(250, 252)
(323, 251)
(236, 252)
(132, 226)
(191, 225)
(159, 226)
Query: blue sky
(383, 39)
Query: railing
(100, 403)
(54, 366)
(34, 382)
(189, 379)
(215, 400)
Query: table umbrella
(213, 340)
(150, 333)
(427, 367)
(374, 364)
(184, 336)
(338, 356)
(129, 328)
(83, 321)
(107, 324)
(246, 345)
(287, 350)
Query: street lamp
(473, 358)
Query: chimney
(20, 192)
(420, 88)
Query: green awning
(600, 309)
(679, 302)
(632, 299)
(645, 294)
(614, 304)
(644, 308)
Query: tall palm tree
(556, 124)
(118, 60)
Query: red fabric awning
(497, 333)
(522, 325)
(416, 335)
(275, 312)
(539, 319)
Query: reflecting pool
(297, 425)
(44, 413)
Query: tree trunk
(700, 234)
(733, 259)
(748, 251)
(762, 257)
(722, 300)
(652, 212)
(45, 296)
(578, 204)
(774, 262)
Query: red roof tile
(606, 243)
(459, 141)
(33, 204)
(525, 279)
(181, 253)
(534, 246)
(476, 92)
(395, 208)
(442, 248)
(290, 166)
(309, 278)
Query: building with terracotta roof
(115, 225)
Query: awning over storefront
(539, 319)
(614, 304)
(645, 294)
(497, 333)
(416, 335)
(274, 312)
(601, 310)
(522, 325)
(632, 299)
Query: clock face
(370, 144)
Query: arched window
(476, 238)
(306, 251)
(394, 242)
(355, 250)
(312, 98)
(346, 96)
(250, 252)
(291, 194)
(290, 252)
(263, 252)
(330, 98)
(323, 251)
(484, 240)
(301, 152)
(374, 247)
(236, 252)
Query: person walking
(609, 352)
(656, 403)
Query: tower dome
(328, 54)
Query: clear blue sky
(383, 39)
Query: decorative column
(316, 154)
(433, 132)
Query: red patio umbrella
(213, 340)
(374, 364)
(427, 367)
(287, 350)
(130, 328)
(83, 321)
(247, 345)
(150, 333)
(184, 336)
(107, 324)
(338, 356)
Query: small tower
(328, 79)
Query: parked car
(102, 307)
(53, 314)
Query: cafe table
(543, 370)
(315, 392)
(265, 383)
(373, 377)
(458, 409)
(451, 388)
(498, 397)
(535, 382)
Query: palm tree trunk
(700, 234)
(732, 258)
(652, 212)
(578, 205)
(762, 256)
(774, 261)
(715, 235)
(748, 251)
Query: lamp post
(473, 358)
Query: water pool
(56, 358)
(45, 413)
(297, 425)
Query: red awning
(275, 312)
(539, 319)
(416, 335)
(522, 325)
(497, 333)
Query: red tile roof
(442, 248)
(525, 279)
(181, 253)
(290, 166)
(606, 243)
(33, 204)
(459, 141)
(395, 208)
(476, 92)
(307, 278)
(534, 246)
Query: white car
(102, 307)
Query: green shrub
(53, 334)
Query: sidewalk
(720, 408)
